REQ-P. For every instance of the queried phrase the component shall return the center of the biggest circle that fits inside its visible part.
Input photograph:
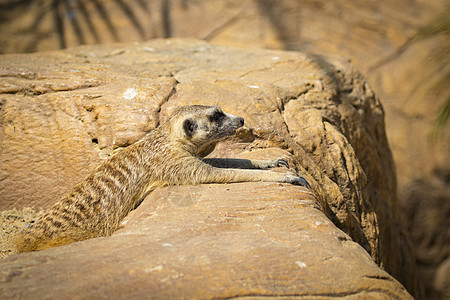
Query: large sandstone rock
(256, 240)
(63, 112)
(378, 36)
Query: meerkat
(171, 154)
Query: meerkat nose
(241, 121)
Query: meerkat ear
(189, 127)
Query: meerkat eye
(217, 116)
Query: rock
(62, 112)
(442, 279)
(379, 37)
(256, 240)
(426, 219)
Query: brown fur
(169, 155)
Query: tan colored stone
(255, 240)
(376, 36)
(58, 124)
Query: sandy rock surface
(63, 112)
(257, 240)
(385, 40)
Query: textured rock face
(378, 36)
(62, 112)
(257, 240)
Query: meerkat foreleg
(209, 174)
(242, 175)
(245, 163)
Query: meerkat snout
(240, 121)
(231, 124)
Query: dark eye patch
(189, 127)
(217, 116)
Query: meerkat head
(200, 125)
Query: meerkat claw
(301, 181)
(297, 180)
(281, 162)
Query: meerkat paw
(296, 180)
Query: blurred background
(402, 47)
